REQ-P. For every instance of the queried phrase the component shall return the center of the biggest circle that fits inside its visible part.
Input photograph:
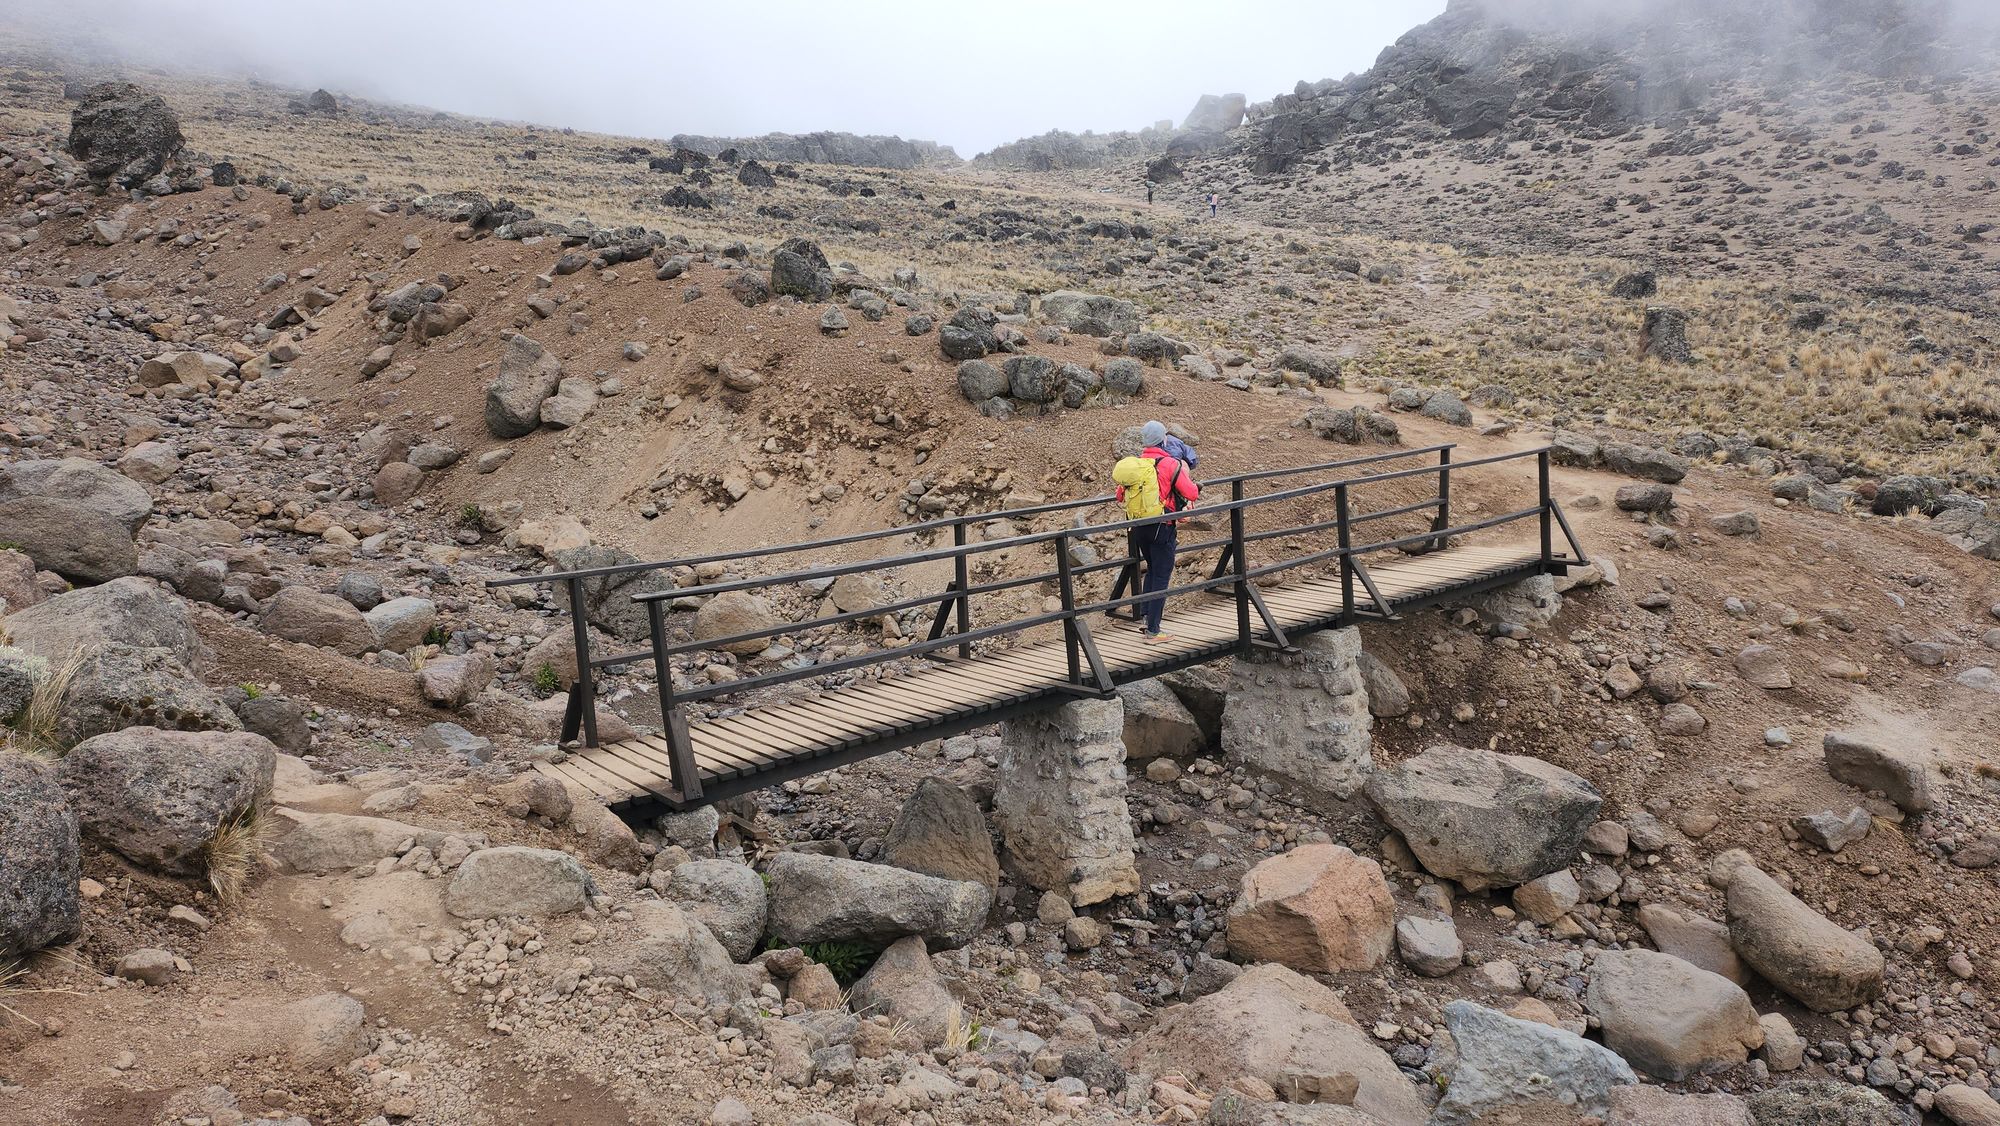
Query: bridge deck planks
(764, 738)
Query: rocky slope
(1706, 832)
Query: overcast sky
(970, 75)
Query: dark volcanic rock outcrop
(1488, 68)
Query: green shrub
(546, 682)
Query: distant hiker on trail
(1211, 205)
(1153, 484)
(1149, 193)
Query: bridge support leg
(585, 692)
(1060, 801)
(680, 752)
(1303, 715)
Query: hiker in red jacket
(1156, 544)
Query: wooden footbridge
(1324, 575)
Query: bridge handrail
(939, 554)
(933, 525)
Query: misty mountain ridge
(827, 147)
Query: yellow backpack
(1140, 477)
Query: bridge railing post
(1443, 518)
(1340, 516)
(961, 572)
(586, 680)
(680, 753)
(1548, 507)
(1067, 584)
(1240, 562)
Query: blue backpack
(1180, 451)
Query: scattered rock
(1796, 948)
(1318, 909)
(1483, 819)
(1694, 939)
(1763, 666)
(940, 832)
(1897, 774)
(148, 966)
(1285, 1030)
(1503, 1063)
(1429, 946)
(528, 375)
(515, 880)
(827, 899)
(1669, 1018)
(726, 897)
(1832, 831)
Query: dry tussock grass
(1853, 389)
(235, 855)
(37, 730)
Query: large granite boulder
(516, 880)
(161, 798)
(39, 866)
(318, 843)
(1486, 820)
(312, 617)
(1900, 775)
(123, 135)
(903, 986)
(401, 624)
(726, 897)
(129, 611)
(1091, 314)
(608, 600)
(733, 613)
(120, 686)
(667, 949)
(80, 545)
(799, 269)
(84, 485)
